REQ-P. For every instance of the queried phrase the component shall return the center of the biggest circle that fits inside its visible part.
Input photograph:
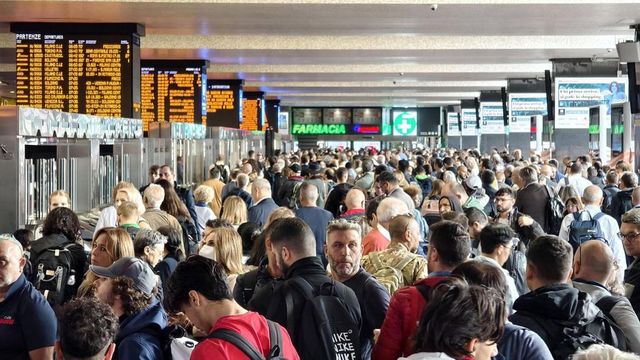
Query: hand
(525, 220)
(376, 334)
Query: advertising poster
(468, 118)
(405, 123)
(453, 124)
(574, 97)
(491, 118)
(522, 107)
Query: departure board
(79, 69)
(224, 103)
(173, 90)
(253, 111)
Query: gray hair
(592, 195)
(308, 191)
(389, 208)
(154, 194)
(13, 240)
(344, 225)
(632, 217)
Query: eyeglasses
(501, 199)
(629, 237)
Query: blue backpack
(582, 230)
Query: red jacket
(399, 327)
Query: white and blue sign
(522, 107)
(491, 118)
(574, 97)
(469, 121)
(453, 124)
(405, 123)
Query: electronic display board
(336, 116)
(367, 121)
(79, 68)
(173, 90)
(224, 103)
(308, 121)
(306, 115)
(253, 111)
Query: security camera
(434, 7)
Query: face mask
(207, 251)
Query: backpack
(224, 174)
(574, 337)
(175, 344)
(275, 342)
(554, 210)
(189, 235)
(325, 328)
(581, 230)
(389, 276)
(53, 275)
(294, 200)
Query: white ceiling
(350, 52)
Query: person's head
(612, 178)
(173, 247)
(592, 195)
(448, 204)
(291, 240)
(129, 193)
(635, 196)
(153, 196)
(461, 320)
(477, 220)
(279, 213)
(628, 180)
(128, 286)
(593, 261)
(458, 217)
(128, 213)
(505, 199)
(449, 246)
(458, 190)
(573, 205)
(214, 172)
(25, 237)
(261, 189)
(528, 175)
(404, 229)
(497, 241)
(602, 352)
(436, 189)
(149, 246)
(154, 173)
(549, 261)
(388, 209)
(308, 194)
(547, 171)
(12, 261)
(59, 198)
(166, 173)
(242, 180)
(630, 232)
(387, 182)
(415, 193)
(110, 244)
(367, 165)
(575, 169)
(343, 248)
(224, 245)
(483, 273)
(195, 287)
(234, 210)
(248, 233)
(62, 221)
(204, 194)
(342, 174)
(355, 199)
(87, 330)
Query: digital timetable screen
(253, 111)
(76, 73)
(224, 103)
(173, 91)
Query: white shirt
(384, 232)
(577, 181)
(610, 230)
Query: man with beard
(344, 252)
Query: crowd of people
(326, 254)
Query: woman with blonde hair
(224, 245)
(109, 244)
(123, 191)
(234, 210)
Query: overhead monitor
(367, 121)
(224, 103)
(522, 106)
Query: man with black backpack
(321, 314)
(592, 268)
(564, 317)
(592, 223)
(198, 287)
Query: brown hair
(279, 213)
(172, 203)
(133, 300)
(128, 209)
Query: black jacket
(286, 190)
(609, 192)
(632, 281)
(532, 200)
(271, 303)
(336, 198)
(620, 204)
(249, 283)
(558, 304)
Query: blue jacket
(259, 213)
(520, 343)
(135, 339)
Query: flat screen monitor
(617, 128)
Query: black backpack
(324, 328)
(581, 230)
(189, 235)
(53, 275)
(574, 337)
(554, 211)
(275, 342)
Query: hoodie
(139, 334)
(559, 304)
(620, 204)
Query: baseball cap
(295, 168)
(135, 269)
(473, 182)
(314, 167)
